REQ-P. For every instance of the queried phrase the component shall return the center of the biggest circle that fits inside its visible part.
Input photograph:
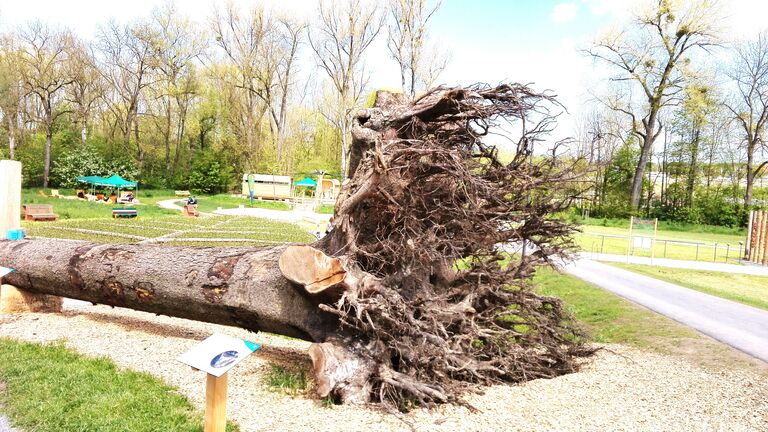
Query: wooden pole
(760, 244)
(750, 227)
(757, 224)
(10, 196)
(764, 240)
(216, 403)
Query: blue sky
(530, 41)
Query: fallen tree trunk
(240, 287)
(412, 295)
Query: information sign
(218, 354)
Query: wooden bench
(191, 210)
(182, 193)
(124, 213)
(39, 212)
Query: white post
(629, 244)
(10, 196)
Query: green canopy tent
(113, 181)
(305, 182)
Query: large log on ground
(234, 286)
(410, 297)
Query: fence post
(602, 244)
(715, 258)
(727, 251)
(697, 252)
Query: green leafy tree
(210, 174)
(85, 161)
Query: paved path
(171, 204)
(750, 269)
(738, 325)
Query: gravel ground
(620, 389)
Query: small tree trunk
(84, 132)
(750, 176)
(47, 166)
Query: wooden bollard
(216, 403)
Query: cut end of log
(310, 267)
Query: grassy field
(727, 243)
(177, 230)
(212, 202)
(609, 318)
(747, 289)
(50, 388)
(77, 209)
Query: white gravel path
(621, 389)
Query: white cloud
(564, 12)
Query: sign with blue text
(218, 354)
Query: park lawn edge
(698, 280)
(49, 387)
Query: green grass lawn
(209, 203)
(609, 318)
(237, 231)
(747, 289)
(50, 388)
(728, 243)
(77, 209)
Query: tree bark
(240, 287)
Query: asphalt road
(740, 326)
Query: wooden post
(10, 196)
(749, 234)
(764, 241)
(754, 248)
(760, 243)
(216, 403)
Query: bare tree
(181, 44)
(420, 64)
(128, 56)
(278, 79)
(749, 107)
(342, 34)
(11, 89)
(242, 38)
(87, 88)
(44, 55)
(651, 56)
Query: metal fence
(675, 249)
